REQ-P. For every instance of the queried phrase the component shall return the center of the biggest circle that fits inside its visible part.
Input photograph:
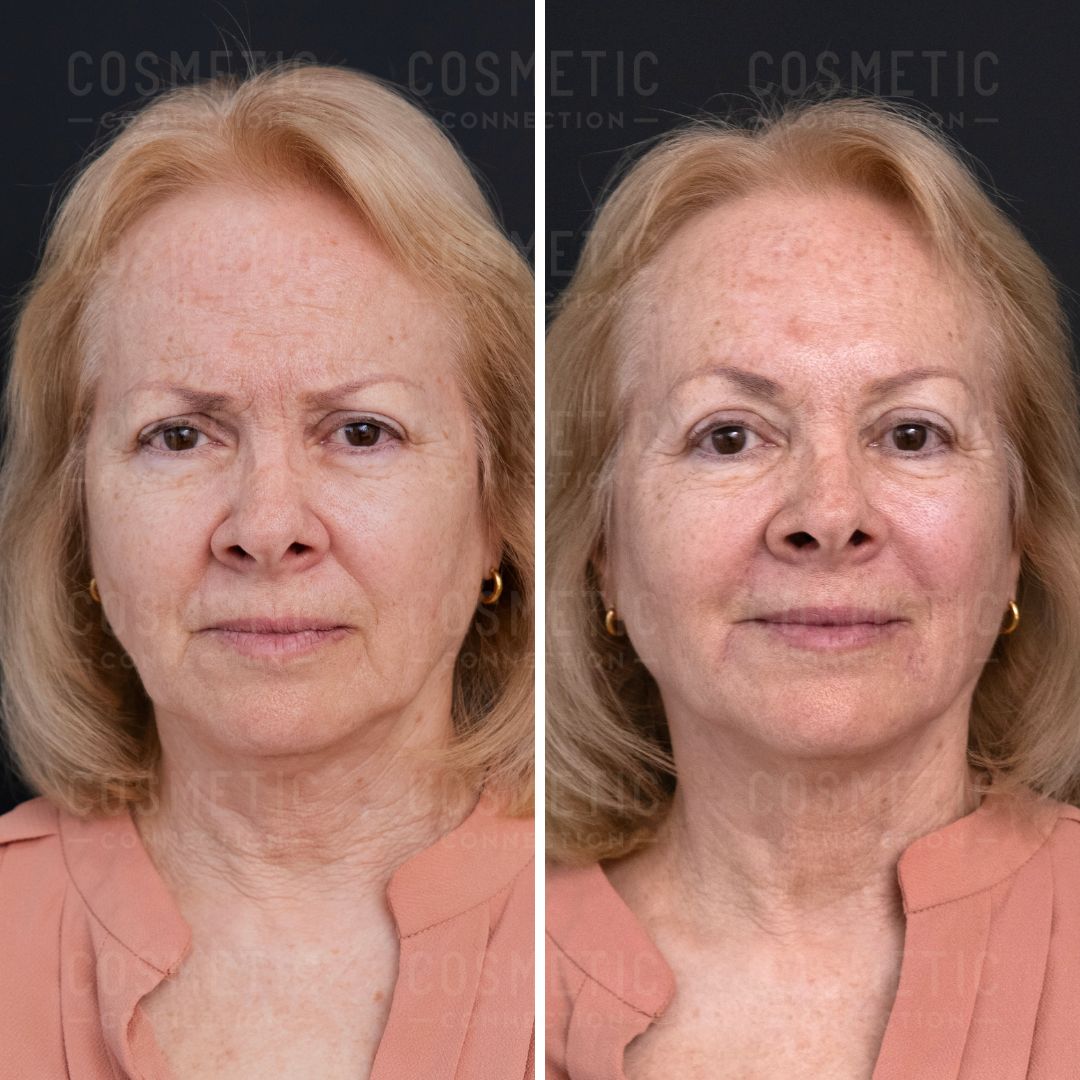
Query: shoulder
(30, 850)
(574, 893)
(585, 919)
(1064, 824)
(1052, 865)
(1057, 820)
(28, 821)
(1067, 812)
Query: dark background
(70, 68)
(1004, 82)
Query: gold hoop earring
(609, 623)
(94, 594)
(493, 596)
(1014, 620)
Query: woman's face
(291, 493)
(810, 424)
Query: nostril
(801, 539)
(858, 537)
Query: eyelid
(166, 425)
(384, 425)
(700, 431)
(143, 440)
(943, 432)
(945, 435)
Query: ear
(1014, 572)
(599, 563)
(492, 548)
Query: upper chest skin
(747, 1013)
(252, 1010)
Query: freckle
(378, 996)
(796, 328)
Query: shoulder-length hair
(79, 724)
(610, 770)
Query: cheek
(955, 550)
(681, 552)
(416, 549)
(407, 544)
(687, 544)
(151, 546)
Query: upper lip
(829, 616)
(283, 624)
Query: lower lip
(306, 641)
(831, 638)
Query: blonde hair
(80, 727)
(610, 769)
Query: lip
(830, 629)
(832, 638)
(830, 616)
(278, 643)
(283, 624)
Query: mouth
(830, 616)
(277, 643)
(832, 630)
(285, 624)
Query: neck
(281, 833)
(790, 845)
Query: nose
(270, 522)
(825, 515)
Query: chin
(274, 725)
(806, 729)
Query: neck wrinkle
(280, 834)
(796, 848)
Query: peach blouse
(87, 928)
(990, 976)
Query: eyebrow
(216, 401)
(750, 382)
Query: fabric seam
(603, 986)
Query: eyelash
(169, 425)
(942, 433)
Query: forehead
(802, 287)
(243, 286)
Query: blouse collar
(600, 933)
(149, 938)
(114, 874)
(975, 852)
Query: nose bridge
(270, 463)
(269, 488)
(827, 498)
(829, 472)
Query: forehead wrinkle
(693, 272)
(211, 400)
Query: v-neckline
(960, 860)
(148, 936)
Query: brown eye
(179, 438)
(729, 439)
(363, 433)
(916, 436)
(910, 437)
